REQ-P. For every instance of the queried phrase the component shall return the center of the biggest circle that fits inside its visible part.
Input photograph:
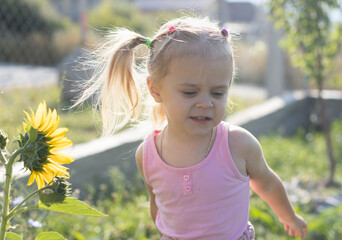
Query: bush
(119, 14)
(30, 32)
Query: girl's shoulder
(240, 134)
(139, 157)
(242, 142)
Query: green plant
(313, 40)
(302, 157)
(327, 225)
(126, 205)
(39, 144)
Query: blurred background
(44, 33)
(42, 44)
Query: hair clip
(148, 42)
(172, 29)
(224, 32)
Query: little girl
(198, 170)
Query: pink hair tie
(224, 32)
(172, 29)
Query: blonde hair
(115, 79)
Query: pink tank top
(209, 200)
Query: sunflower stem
(7, 189)
(6, 200)
(17, 210)
(14, 212)
(14, 156)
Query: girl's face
(193, 93)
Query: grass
(307, 159)
(302, 157)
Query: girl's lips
(200, 119)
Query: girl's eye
(189, 93)
(217, 94)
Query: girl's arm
(267, 184)
(153, 206)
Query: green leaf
(50, 236)
(60, 203)
(12, 236)
(33, 133)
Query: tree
(313, 40)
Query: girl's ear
(154, 89)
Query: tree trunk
(327, 135)
(324, 120)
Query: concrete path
(22, 76)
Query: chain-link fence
(31, 32)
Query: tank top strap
(148, 153)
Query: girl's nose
(205, 102)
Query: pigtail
(113, 82)
(159, 116)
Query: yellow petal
(40, 114)
(61, 158)
(46, 122)
(60, 132)
(56, 169)
(40, 180)
(54, 123)
(29, 119)
(48, 177)
(31, 179)
(33, 123)
(24, 125)
(58, 140)
(60, 145)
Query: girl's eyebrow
(188, 85)
(196, 85)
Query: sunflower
(43, 140)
